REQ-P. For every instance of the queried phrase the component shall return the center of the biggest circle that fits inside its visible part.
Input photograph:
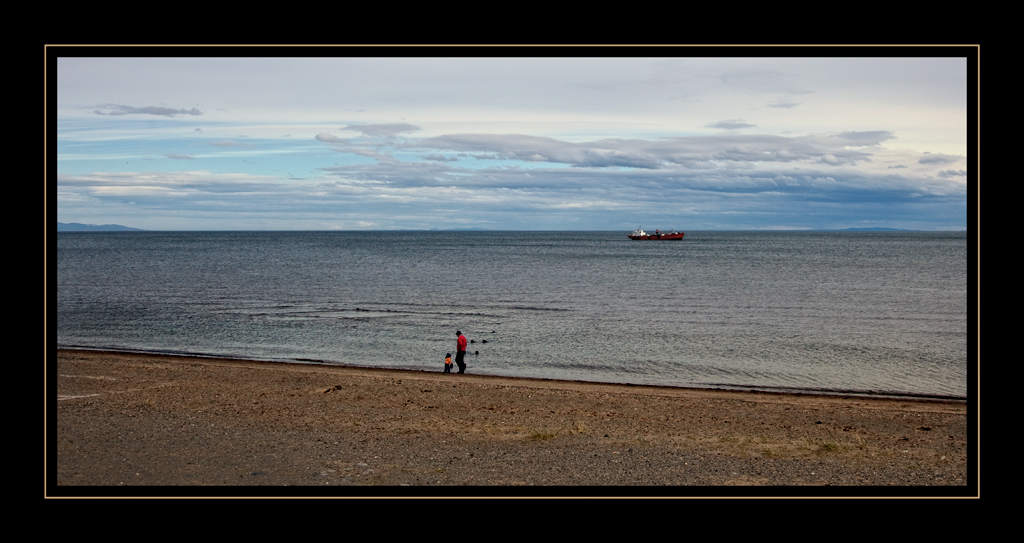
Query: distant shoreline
(79, 227)
(727, 389)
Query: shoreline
(196, 423)
(722, 388)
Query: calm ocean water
(846, 312)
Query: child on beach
(448, 363)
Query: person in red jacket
(460, 352)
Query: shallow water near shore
(844, 312)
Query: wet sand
(138, 424)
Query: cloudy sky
(513, 143)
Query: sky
(532, 143)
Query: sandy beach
(138, 424)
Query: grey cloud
(117, 109)
(695, 152)
(938, 158)
(485, 194)
(657, 187)
(540, 149)
(387, 130)
(328, 138)
(865, 137)
(180, 157)
(383, 158)
(952, 173)
(731, 124)
(440, 158)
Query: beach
(146, 420)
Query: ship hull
(662, 237)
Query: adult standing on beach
(460, 351)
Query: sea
(850, 313)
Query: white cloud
(116, 109)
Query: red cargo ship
(658, 234)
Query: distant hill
(79, 227)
